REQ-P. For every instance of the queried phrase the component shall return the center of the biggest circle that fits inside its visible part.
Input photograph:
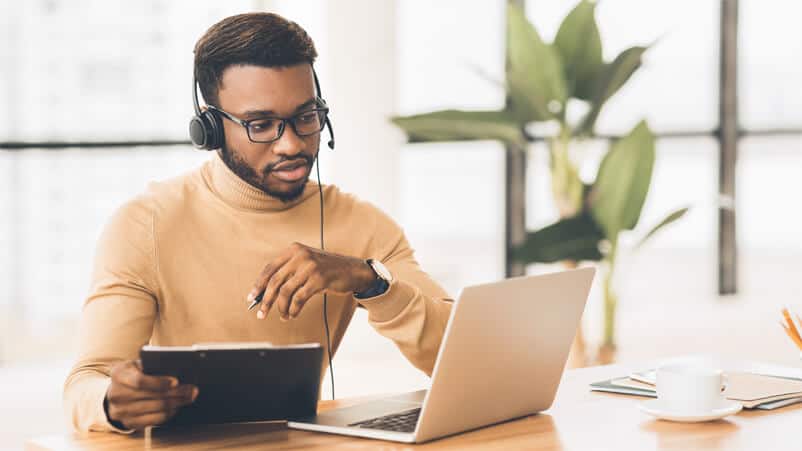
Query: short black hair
(259, 39)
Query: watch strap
(378, 287)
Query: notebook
(753, 391)
(239, 382)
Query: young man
(180, 263)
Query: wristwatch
(383, 280)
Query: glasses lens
(264, 130)
(309, 122)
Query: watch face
(381, 270)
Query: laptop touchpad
(349, 415)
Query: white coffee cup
(690, 388)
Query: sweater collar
(239, 193)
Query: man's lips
(291, 171)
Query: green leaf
(611, 78)
(576, 238)
(580, 48)
(671, 217)
(534, 72)
(456, 125)
(623, 180)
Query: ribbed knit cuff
(389, 304)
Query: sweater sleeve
(118, 314)
(414, 310)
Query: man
(180, 263)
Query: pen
(256, 300)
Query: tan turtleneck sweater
(173, 267)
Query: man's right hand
(137, 400)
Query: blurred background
(95, 100)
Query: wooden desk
(579, 420)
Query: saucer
(656, 408)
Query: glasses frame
(283, 121)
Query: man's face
(280, 168)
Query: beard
(260, 180)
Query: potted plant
(543, 82)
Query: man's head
(255, 66)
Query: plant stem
(610, 297)
(566, 186)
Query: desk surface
(579, 419)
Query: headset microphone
(331, 133)
(323, 103)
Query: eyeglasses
(269, 129)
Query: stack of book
(754, 391)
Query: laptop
(502, 357)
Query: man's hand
(301, 272)
(136, 400)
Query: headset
(206, 133)
(206, 126)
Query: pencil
(790, 328)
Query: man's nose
(289, 143)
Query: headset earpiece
(205, 127)
(206, 130)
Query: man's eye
(262, 124)
(308, 118)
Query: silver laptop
(502, 357)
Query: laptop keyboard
(398, 422)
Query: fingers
(287, 290)
(285, 282)
(139, 408)
(264, 276)
(312, 286)
(130, 374)
(261, 281)
(121, 393)
(137, 400)
(272, 289)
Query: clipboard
(241, 382)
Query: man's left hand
(301, 272)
